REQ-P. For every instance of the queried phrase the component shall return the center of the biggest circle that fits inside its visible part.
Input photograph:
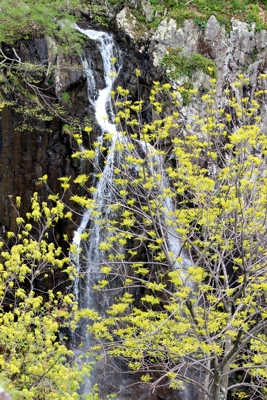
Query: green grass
(201, 10)
(180, 64)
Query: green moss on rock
(176, 64)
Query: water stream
(90, 259)
(101, 102)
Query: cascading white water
(100, 101)
(168, 210)
(92, 256)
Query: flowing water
(90, 259)
(101, 103)
(173, 243)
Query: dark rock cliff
(31, 147)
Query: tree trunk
(216, 385)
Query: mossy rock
(177, 64)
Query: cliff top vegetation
(26, 19)
(152, 12)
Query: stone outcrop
(242, 50)
(233, 52)
(130, 25)
(63, 70)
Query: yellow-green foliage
(211, 313)
(206, 186)
(34, 362)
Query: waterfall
(168, 208)
(101, 102)
(89, 258)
